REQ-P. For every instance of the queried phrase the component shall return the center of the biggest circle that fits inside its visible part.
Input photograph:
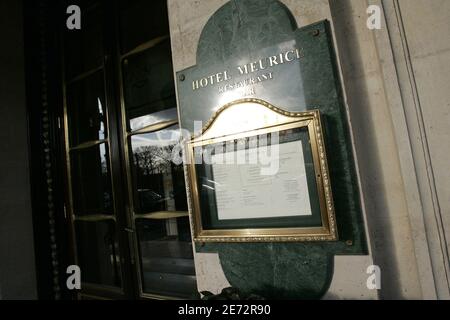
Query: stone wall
(17, 265)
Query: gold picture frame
(255, 117)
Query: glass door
(94, 209)
(158, 203)
(157, 194)
(126, 199)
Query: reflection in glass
(166, 257)
(84, 47)
(91, 180)
(148, 84)
(147, 120)
(227, 184)
(86, 110)
(158, 184)
(136, 27)
(98, 254)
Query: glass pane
(98, 252)
(135, 25)
(148, 83)
(166, 257)
(84, 47)
(86, 110)
(91, 180)
(158, 184)
(232, 178)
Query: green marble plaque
(253, 49)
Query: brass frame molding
(248, 118)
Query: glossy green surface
(243, 31)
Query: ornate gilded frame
(269, 119)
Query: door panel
(161, 215)
(91, 202)
(157, 193)
(126, 199)
(98, 252)
(149, 89)
(165, 252)
(87, 112)
(84, 48)
(92, 210)
(91, 180)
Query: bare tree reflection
(153, 159)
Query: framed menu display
(257, 173)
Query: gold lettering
(243, 69)
(273, 61)
(194, 85)
(253, 67)
(203, 82)
(299, 53)
(261, 67)
(286, 56)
